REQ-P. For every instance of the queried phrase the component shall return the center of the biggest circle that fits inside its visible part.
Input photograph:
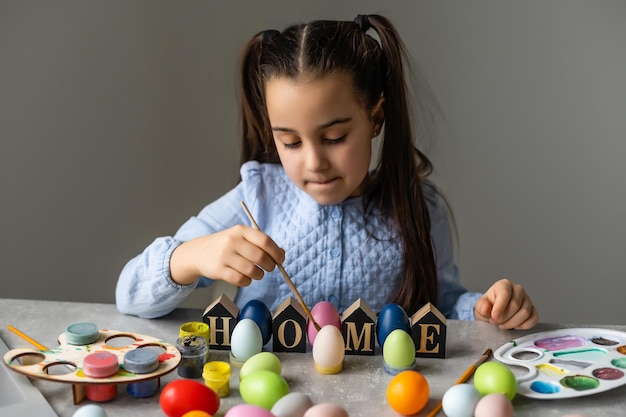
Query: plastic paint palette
(65, 362)
(567, 363)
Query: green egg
(495, 377)
(263, 388)
(399, 349)
(261, 361)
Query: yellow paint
(551, 370)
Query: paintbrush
(463, 378)
(284, 273)
(27, 338)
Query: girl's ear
(378, 116)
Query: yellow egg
(328, 350)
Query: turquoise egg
(246, 340)
(399, 350)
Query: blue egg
(258, 312)
(391, 317)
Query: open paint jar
(193, 350)
(216, 376)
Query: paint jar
(197, 328)
(142, 361)
(216, 376)
(100, 365)
(193, 350)
(82, 334)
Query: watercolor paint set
(567, 363)
(95, 361)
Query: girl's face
(323, 135)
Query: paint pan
(567, 363)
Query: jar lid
(100, 364)
(191, 345)
(82, 333)
(141, 361)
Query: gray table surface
(359, 388)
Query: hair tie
(363, 21)
(270, 34)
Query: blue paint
(543, 387)
(142, 361)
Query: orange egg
(196, 413)
(407, 392)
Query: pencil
(294, 290)
(463, 378)
(27, 338)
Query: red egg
(184, 395)
(324, 313)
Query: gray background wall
(118, 122)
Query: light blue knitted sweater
(335, 253)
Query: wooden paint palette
(65, 362)
(567, 363)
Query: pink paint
(560, 342)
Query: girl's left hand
(507, 306)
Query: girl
(313, 98)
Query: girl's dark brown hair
(376, 68)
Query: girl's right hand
(236, 255)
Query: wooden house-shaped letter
(221, 316)
(289, 327)
(428, 328)
(358, 323)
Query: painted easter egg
(390, 318)
(494, 405)
(246, 340)
(329, 350)
(197, 413)
(460, 400)
(90, 410)
(263, 360)
(248, 410)
(184, 395)
(293, 404)
(407, 392)
(495, 377)
(399, 350)
(263, 388)
(326, 410)
(258, 312)
(324, 313)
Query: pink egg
(248, 410)
(326, 410)
(324, 313)
(494, 405)
(329, 350)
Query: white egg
(460, 400)
(326, 410)
(90, 410)
(246, 340)
(293, 404)
(329, 350)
